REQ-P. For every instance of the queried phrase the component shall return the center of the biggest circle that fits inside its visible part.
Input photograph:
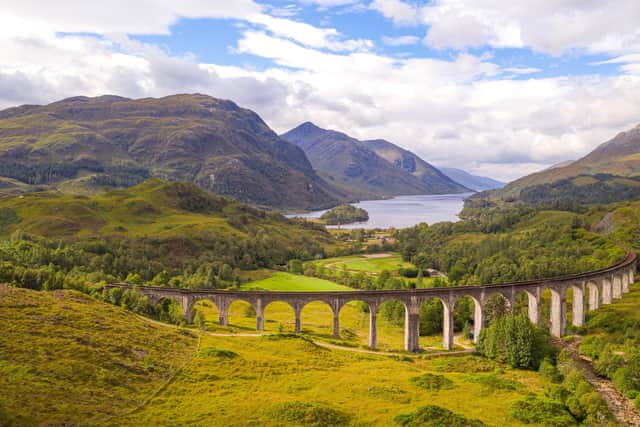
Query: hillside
(82, 145)
(66, 358)
(175, 231)
(618, 158)
(90, 363)
(368, 169)
(474, 182)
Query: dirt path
(619, 405)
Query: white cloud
(550, 26)
(400, 41)
(330, 3)
(120, 16)
(630, 63)
(397, 10)
(308, 35)
(463, 111)
(521, 70)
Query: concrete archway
(360, 316)
(593, 289)
(278, 316)
(207, 307)
(558, 312)
(607, 290)
(616, 290)
(320, 316)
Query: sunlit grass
(294, 283)
(371, 389)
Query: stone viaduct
(589, 289)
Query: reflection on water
(406, 211)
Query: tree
(134, 279)
(295, 266)
(516, 341)
(422, 262)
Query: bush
(538, 411)
(435, 416)
(309, 414)
(608, 362)
(493, 383)
(217, 352)
(432, 382)
(549, 371)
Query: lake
(405, 211)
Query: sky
(500, 88)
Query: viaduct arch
(601, 287)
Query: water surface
(405, 211)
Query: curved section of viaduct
(599, 287)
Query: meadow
(373, 264)
(288, 381)
(282, 281)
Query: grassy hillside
(83, 145)
(93, 363)
(154, 230)
(66, 358)
(257, 381)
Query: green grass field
(240, 381)
(367, 264)
(281, 281)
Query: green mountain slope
(368, 168)
(617, 158)
(82, 144)
(149, 229)
(66, 358)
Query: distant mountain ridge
(82, 144)
(606, 169)
(368, 169)
(474, 182)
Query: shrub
(432, 382)
(549, 371)
(608, 362)
(533, 410)
(465, 364)
(435, 416)
(492, 383)
(308, 414)
(217, 352)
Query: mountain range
(370, 168)
(474, 182)
(82, 144)
(609, 173)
